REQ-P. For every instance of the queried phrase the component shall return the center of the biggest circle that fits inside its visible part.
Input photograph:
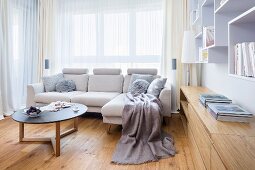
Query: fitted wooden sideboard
(215, 144)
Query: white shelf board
(235, 6)
(196, 20)
(243, 77)
(211, 46)
(199, 35)
(246, 17)
(208, 3)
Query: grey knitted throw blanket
(142, 139)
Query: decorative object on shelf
(203, 55)
(188, 53)
(229, 112)
(208, 36)
(173, 87)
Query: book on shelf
(229, 112)
(205, 99)
(244, 59)
(247, 60)
(252, 56)
(208, 36)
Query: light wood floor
(90, 148)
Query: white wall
(242, 92)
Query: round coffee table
(50, 117)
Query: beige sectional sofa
(103, 92)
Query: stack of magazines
(213, 98)
(229, 112)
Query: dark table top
(50, 117)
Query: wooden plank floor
(90, 148)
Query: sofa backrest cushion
(105, 83)
(75, 71)
(81, 81)
(150, 71)
(107, 71)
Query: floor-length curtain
(19, 53)
(106, 33)
(175, 24)
(46, 34)
(2, 14)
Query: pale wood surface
(234, 143)
(211, 124)
(55, 141)
(90, 148)
(216, 163)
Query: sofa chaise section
(112, 111)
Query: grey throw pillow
(139, 86)
(147, 77)
(50, 82)
(156, 86)
(65, 86)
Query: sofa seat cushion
(115, 107)
(49, 97)
(95, 99)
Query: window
(149, 31)
(84, 35)
(118, 34)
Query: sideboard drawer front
(216, 163)
(197, 159)
(201, 137)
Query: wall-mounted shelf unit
(241, 29)
(217, 14)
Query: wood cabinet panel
(201, 137)
(197, 159)
(216, 163)
(216, 145)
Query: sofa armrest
(32, 90)
(165, 99)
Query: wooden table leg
(21, 132)
(75, 125)
(57, 139)
(54, 140)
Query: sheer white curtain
(107, 33)
(2, 14)
(176, 15)
(19, 21)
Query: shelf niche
(241, 29)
